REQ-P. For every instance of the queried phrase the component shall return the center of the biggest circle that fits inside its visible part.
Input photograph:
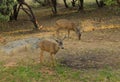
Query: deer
(51, 47)
(65, 24)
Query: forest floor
(97, 54)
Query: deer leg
(68, 33)
(58, 34)
(41, 56)
(52, 59)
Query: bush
(110, 2)
(6, 8)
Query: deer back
(64, 24)
(49, 46)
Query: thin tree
(27, 9)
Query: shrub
(6, 8)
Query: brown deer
(65, 24)
(50, 47)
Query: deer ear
(64, 37)
(40, 27)
(57, 40)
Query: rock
(20, 45)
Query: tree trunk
(100, 3)
(73, 3)
(16, 9)
(54, 5)
(21, 1)
(80, 5)
(29, 12)
(118, 1)
(65, 3)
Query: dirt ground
(96, 49)
(99, 45)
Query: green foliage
(37, 73)
(4, 17)
(6, 8)
(20, 73)
(110, 2)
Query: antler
(64, 37)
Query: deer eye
(60, 43)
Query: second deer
(65, 24)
